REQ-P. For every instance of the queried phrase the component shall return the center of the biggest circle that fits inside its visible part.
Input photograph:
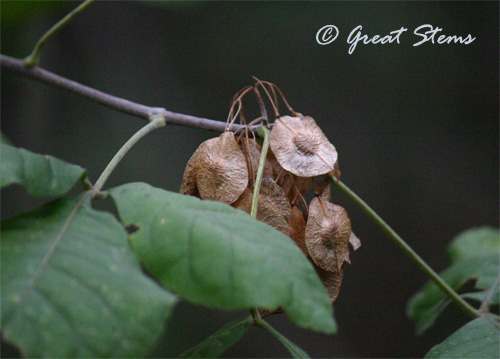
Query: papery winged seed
(332, 281)
(267, 212)
(188, 185)
(301, 147)
(328, 230)
(298, 229)
(221, 171)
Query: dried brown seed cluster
(224, 169)
(217, 170)
(301, 147)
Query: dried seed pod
(267, 211)
(323, 189)
(332, 281)
(277, 196)
(295, 186)
(355, 241)
(298, 229)
(188, 185)
(336, 171)
(277, 172)
(251, 150)
(221, 171)
(301, 147)
(327, 234)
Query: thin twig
(455, 297)
(292, 348)
(33, 58)
(155, 123)
(263, 132)
(485, 304)
(116, 103)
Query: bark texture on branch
(113, 102)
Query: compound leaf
(41, 175)
(71, 286)
(217, 256)
(473, 274)
(425, 307)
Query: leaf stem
(156, 122)
(263, 132)
(255, 315)
(292, 348)
(33, 58)
(484, 307)
(405, 247)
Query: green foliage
(220, 341)
(476, 242)
(40, 175)
(16, 12)
(71, 287)
(473, 273)
(217, 256)
(477, 339)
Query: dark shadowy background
(416, 129)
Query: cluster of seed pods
(224, 169)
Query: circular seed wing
(301, 147)
(323, 189)
(276, 196)
(188, 185)
(332, 281)
(298, 229)
(221, 170)
(294, 185)
(327, 234)
(266, 211)
(273, 167)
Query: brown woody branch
(113, 102)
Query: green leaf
(477, 339)
(220, 341)
(475, 270)
(475, 242)
(71, 286)
(493, 298)
(217, 256)
(40, 175)
(425, 307)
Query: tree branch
(116, 103)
